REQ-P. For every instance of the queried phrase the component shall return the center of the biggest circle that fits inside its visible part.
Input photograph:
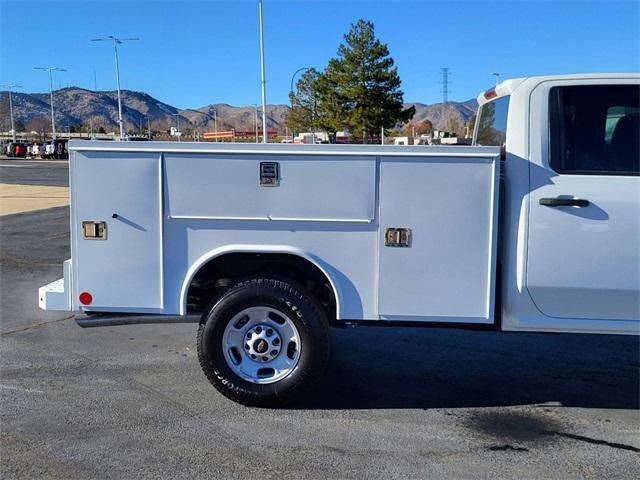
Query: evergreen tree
(360, 89)
(301, 116)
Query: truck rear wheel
(263, 342)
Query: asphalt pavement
(131, 401)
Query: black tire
(298, 306)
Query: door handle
(564, 202)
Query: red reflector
(489, 94)
(86, 298)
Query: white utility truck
(533, 228)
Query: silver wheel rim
(261, 345)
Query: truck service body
(536, 227)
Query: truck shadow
(385, 367)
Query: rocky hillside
(436, 112)
(76, 106)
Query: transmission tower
(445, 84)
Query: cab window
(594, 130)
(491, 123)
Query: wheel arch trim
(316, 261)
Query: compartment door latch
(397, 237)
(94, 230)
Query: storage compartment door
(446, 270)
(123, 270)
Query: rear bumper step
(115, 319)
(57, 295)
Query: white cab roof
(507, 87)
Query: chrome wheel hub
(261, 345)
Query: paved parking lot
(131, 401)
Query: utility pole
(116, 41)
(9, 86)
(262, 74)
(177, 115)
(256, 107)
(215, 122)
(51, 70)
(148, 128)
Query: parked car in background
(36, 150)
(16, 149)
(56, 149)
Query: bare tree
(451, 122)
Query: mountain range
(75, 106)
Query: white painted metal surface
(325, 209)
(535, 270)
(226, 187)
(57, 295)
(123, 271)
(196, 202)
(582, 263)
(447, 272)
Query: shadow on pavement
(384, 367)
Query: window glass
(491, 129)
(595, 130)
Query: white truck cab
(536, 227)
(571, 207)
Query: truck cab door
(583, 256)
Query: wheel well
(222, 272)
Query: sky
(191, 54)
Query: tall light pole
(256, 107)
(51, 70)
(215, 122)
(116, 41)
(177, 115)
(302, 69)
(262, 74)
(9, 86)
(497, 75)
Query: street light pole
(262, 74)
(215, 122)
(13, 128)
(256, 107)
(51, 70)
(177, 115)
(116, 41)
(497, 75)
(291, 92)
